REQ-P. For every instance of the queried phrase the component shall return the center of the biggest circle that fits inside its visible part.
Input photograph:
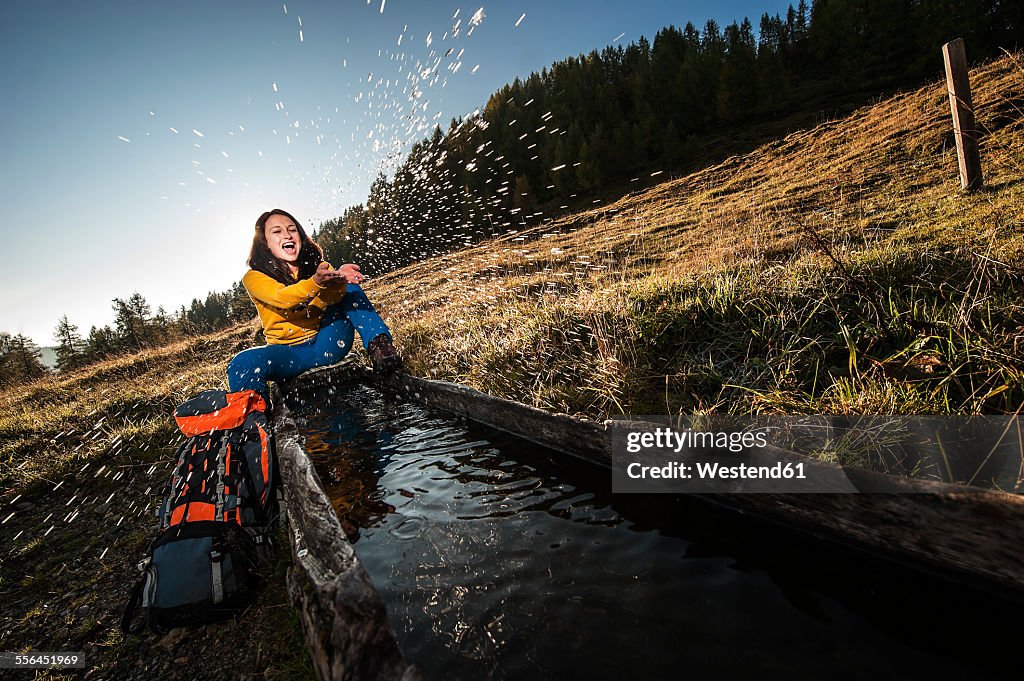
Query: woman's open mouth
(290, 247)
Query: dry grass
(83, 460)
(110, 412)
(840, 269)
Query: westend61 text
(715, 471)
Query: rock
(172, 639)
(101, 509)
(181, 660)
(82, 611)
(24, 506)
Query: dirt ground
(65, 590)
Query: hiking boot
(383, 355)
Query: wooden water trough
(968, 536)
(342, 615)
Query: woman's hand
(351, 273)
(325, 276)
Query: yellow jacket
(289, 314)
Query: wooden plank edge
(343, 618)
(973, 540)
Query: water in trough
(499, 559)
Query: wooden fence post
(959, 86)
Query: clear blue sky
(141, 140)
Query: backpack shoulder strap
(132, 606)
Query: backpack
(205, 565)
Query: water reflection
(346, 452)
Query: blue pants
(252, 368)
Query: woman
(309, 311)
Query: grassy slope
(837, 270)
(100, 441)
(713, 291)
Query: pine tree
(240, 306)
(671, 147)
(20, 360)
(132, 320)
(70, 346)
(523, 194)
(737, 85)
(589, 172)
(102, 342)
(773, 84)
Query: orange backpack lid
(213, 410)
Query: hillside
(840, 269)
(837, 270)
(83, 461)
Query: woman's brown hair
(262, 260)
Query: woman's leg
(334, 339)
(358, 310)
(252, 368)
